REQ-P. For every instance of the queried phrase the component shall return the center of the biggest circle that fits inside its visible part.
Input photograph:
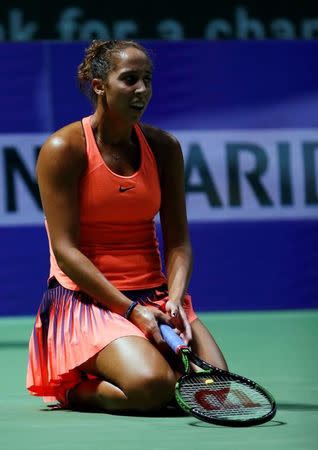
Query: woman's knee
(205, 345)
(150, 390)
(138, 369)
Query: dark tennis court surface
(276, 349)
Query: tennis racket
(215, 395)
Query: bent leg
(204, 345)
(132, 376)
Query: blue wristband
(130, 309)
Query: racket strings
(223, 398)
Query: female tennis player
(96, 341)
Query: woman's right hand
(147, 319)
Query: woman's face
(128, 87)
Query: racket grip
(171, 338)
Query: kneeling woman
(96, 342)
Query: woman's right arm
(60, 166)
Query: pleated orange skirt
(69, 329)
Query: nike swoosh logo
(124, 189)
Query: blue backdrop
(241, 263)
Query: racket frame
(187, 356)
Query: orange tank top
(117, 229)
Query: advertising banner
(229, 175)
(230, 19)
(245, 114)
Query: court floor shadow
(296, 407)
(272, 423)
(13, 344)
(168, 412)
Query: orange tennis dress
(118, 234)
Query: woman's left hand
(180, 320)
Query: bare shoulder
(65, 148)
(160, 140)
(67, 139)
(166, 149)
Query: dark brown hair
(98, 61)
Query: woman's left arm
(174, 224)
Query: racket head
(224, 399)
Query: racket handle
(171, 338)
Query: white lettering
(72, 25)
(2, 33)
(170, 29)
(18, 31)
(66, 25)
(124, 29)
(310, 28)
(247, 28)
(283, 29)
(94, 29)
(218, 29)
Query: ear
(98, 86)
